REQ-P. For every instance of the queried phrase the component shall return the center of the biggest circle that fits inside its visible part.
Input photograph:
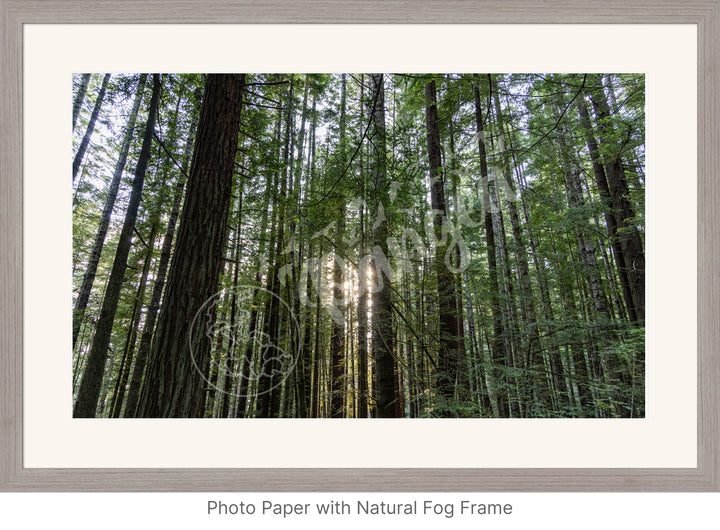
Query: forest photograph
(358, 245)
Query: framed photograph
(465, 247)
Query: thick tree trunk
(89, 390)
(91, 127)
(174, 385)
(94, 259)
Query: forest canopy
(358, 245)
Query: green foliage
(534, 314)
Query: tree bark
(173, 386)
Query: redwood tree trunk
(173, 385)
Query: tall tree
(610, 214)
(337, 339)
(80, 97)
(91, 126)
(160, 276)
(498, 392)
(94, 259)
(132, 332)
(630, 239)
(448, 362)
(89, 390)
(269, 388)
(382, 328)
(173, 387)
(362, 324)
(531, 339)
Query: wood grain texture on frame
(14, 477)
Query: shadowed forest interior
(358, 245)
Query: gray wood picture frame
(15, 13)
